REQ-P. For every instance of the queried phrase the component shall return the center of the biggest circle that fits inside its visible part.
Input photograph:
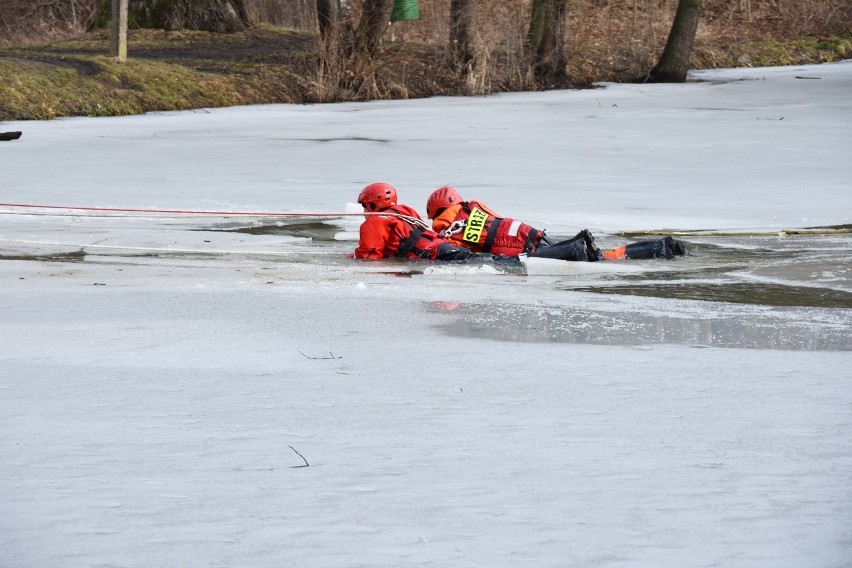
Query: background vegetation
(54, 61)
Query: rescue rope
(109, 212)
(126, 212)
(82, 246)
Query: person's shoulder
(447, 216)
(483, 207)
(406, 210)
(454, 209)
(373, 222)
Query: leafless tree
(375, 17)
(468, 54)
(462, 33)
(546, 42)
(674, 62)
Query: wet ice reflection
(793, 329)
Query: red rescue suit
(386, 236)
(473, 225)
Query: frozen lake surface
(231, 390)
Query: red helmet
(377, 196)
(440, 199)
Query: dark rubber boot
(572, 249)
(677, 247)
(580, 247)
(667, 248)
(593, 253)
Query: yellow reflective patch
(475, 225)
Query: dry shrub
(294, 14)
(27, 21)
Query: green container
(405, 10)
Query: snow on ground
(187, 390)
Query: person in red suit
(394, 230)
(473, 225)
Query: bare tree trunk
(674, 62)
(462, 26)
(361, 75)
(327, 19)
(348, 55)
(375, 17)
(468, 55)
(222, 16)
(546, 42)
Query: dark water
(585, 324)
(75, 256)
(759, 291)
(318, 231)
(769, 271)
(736, 292)
(751, 292)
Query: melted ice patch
(453, 269)
(554, 267)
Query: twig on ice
(301, 456)
(331, 356)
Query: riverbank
(183, 70)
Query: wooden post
(745, 6)
(118, 30)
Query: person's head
(377, 197)
(440, 199)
